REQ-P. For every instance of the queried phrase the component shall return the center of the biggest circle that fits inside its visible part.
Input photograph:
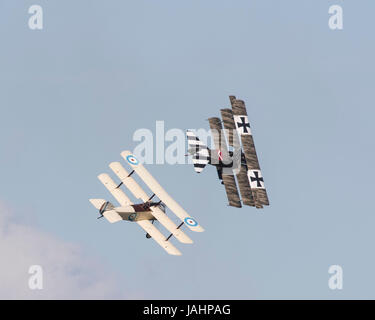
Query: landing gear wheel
(148, 236)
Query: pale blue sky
(73, 94)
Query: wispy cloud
(68, 273)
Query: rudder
(199, 151)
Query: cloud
(68, 273)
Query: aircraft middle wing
(158, 190)
(139, 193)
(231, 190)
(228, 179)
(118, 194)
(146, 225)
(254, 174)
(233, 140)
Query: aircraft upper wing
(150, 181)
(139, 193)
(221, 145)
(146, 225)
(233, 140)
(254, 173)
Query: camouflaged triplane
(238, 162)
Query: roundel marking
(191, 222)
(132, 216)
(132, 159)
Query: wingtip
(102, 175)
(126, 152)
(199, 229)
(114, 164)
(176, 253)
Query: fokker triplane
(239, 160)
(148, 210)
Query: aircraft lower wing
(159, 237)
(139, 193)
(146, 225)
(254, 174)
(150, 181)
(218, 136)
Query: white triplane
(146, 212)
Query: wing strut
(150, 181)
(146, 225)
(139, 193)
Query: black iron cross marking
(257, 179)
(197, 148)
(243, 124)
(197, 154)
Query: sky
(74, 93)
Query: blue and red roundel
(132, 159)
(190, 222)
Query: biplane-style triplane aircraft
(147, 211)
(238, 162)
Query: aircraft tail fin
(102, 205)
(199, 151)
